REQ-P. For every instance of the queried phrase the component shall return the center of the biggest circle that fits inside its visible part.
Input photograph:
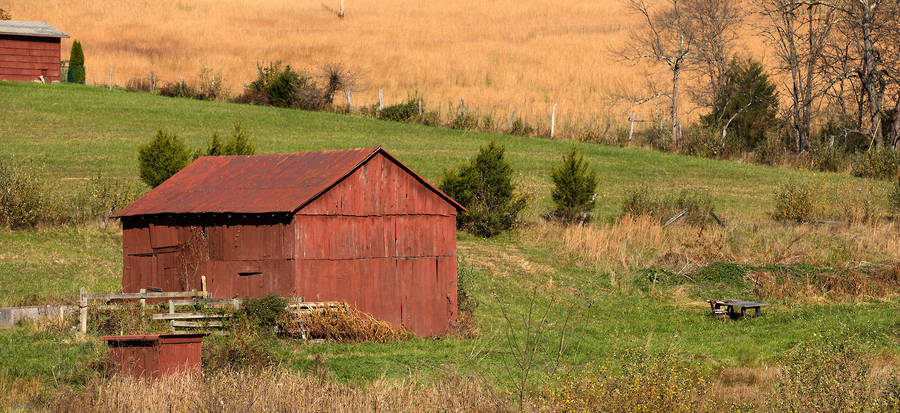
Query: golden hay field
(499, 56)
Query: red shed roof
(257, 184)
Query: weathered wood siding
(26, 58)
(383, 242)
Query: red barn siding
(26, 58)
(385, 243)
(364, 229)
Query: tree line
(840, 60)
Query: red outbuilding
(349, 225)
(28, 51)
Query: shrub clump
(795, 202)
(239, 143)
(666, 205)
(464, 122)
(161, 158)
(881, 163)
(401, 112)
(574, 183)
(265, 311)
(484, 187)
(282, 86)
(24, 200)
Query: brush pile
(339, 323)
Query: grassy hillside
(499, 56)
(622, 284)
(78, 132)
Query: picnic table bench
(730, 305)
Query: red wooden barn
(351, 225)
(29, 50)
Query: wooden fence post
(82, 307)
(420, 106)
(631, 129)
(380, 100)
(553, 122)
(152, 81)
(511, 119)
(236, 303)
(143, 298)
(349, 98)
(462, 107)
(110, 77)
(181, 80)
(341, 14)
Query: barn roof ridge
(259, 184)
(28, 28)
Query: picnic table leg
(743, 313)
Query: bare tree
(716, 23)
(870, 29)
(667, 37)
(800, 32)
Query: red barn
(351, 225)
(29, 50)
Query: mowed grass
(76, 132)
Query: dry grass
(499, 56)
(276, 391)
(632, 243)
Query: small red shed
(29, 50)
(155, 355)
(349, 225)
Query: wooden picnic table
(730, 305)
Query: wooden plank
(195, 324)
(187, 316)
(136, 296)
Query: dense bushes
(161, 158)
(574, 182)
(665, 205)
(282, 86)
(484, 186)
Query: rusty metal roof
(257, 184)
(36, 29)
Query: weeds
(795, 202)
(665, 205)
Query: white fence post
(380, 99)
(349, 98)
(631, 129)
(462, 107)
(82, 307)
(511, 119)
(553, 121)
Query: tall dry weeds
(632, 243)
(275, 390)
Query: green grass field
(77, 132)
